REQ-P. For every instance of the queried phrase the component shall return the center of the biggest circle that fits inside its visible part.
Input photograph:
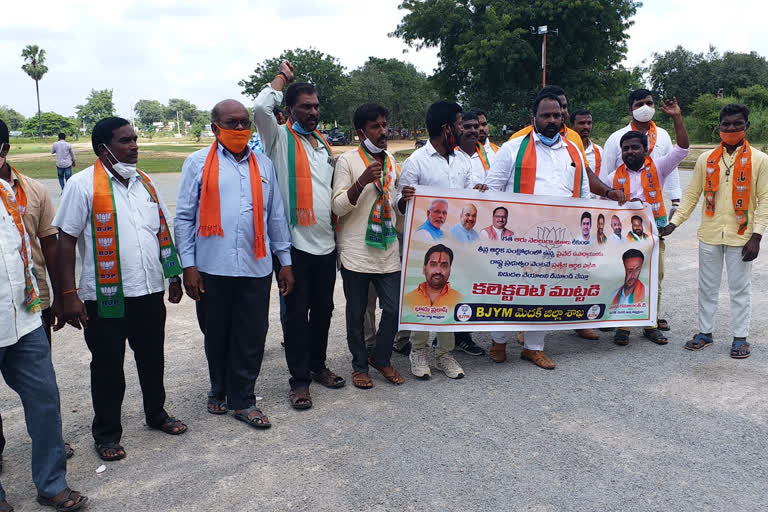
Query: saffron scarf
(651, 188)
(21, 193)
(598, 159)
(525, 166)
(381, 227)
(106, 243)
(494, 147)
(483, 156)
(31, 299)
(300, 178)
(652, 135)
(210, 207)
(742, 183)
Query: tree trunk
(39, 115)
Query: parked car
(337, 138)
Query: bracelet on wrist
(283, 76)
(67, 292)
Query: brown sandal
(362, 380)
(388, 372)
(300, 398)
(328, 379)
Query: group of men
(298, 212)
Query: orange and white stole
(598, 159)
(21, 193)
(652, 135)
(380, 232)
(742, 183)
(483, 156)
(525, 166)
(649, 177)
(31, 299)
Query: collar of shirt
(435, 232)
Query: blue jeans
(64, 174)
(28, 370)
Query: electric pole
(543, 30)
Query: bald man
(465, 230)
(229, 222)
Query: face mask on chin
(643, 114)
(124, 170)
(371, 147)
(299, 129)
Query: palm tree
(35, 67)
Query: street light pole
(543, 30)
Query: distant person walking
(65, 159)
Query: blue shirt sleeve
(185, 222)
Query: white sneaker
(446, 363)
(420, 364)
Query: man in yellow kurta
(734, 180)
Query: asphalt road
(642, 427)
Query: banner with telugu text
(499, 261)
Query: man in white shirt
(470, 146)
(364, 192)
(581, 123)
(304, 164)
(65, 159)
(642, 109)
(112, 212)
(559, 171)
(483, 131)
(616, 227)
(25, 358)
(436, 164)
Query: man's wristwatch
(174, 280)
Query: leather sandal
(538, 357)
(300, 398)
(498, 352)
(362, 380)
(388, 372)
(328, 379)
(60, 500)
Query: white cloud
(198, 50)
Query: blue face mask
(298, 129)
(547, 141)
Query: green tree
(489, 57)
(34, 58)
(149, 111)
(187, 111)
(705, 112)
(753, 96)
(98, 105)
(399, 86)
(52, 124)
(13, 119)
(323, 71)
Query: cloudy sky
(198, 50)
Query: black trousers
(308, 313)
(144, 327)
(233, 316)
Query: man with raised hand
(541, 162)
(113, 213)
(25, 353)
(642, 178)
(436, 164)
(229, 222)
(364, 194)
(304, 165)
(642, 109)
(734, 181)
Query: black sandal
(216, 406)
(258, 421)
(102, 448)
(656, 336)
(662, 325)
(68, 495)
(328, 379)
(621, 337)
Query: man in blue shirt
(431, 229)
(465, 231)
(227, 256)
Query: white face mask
(371, 147)
(124, 170)
(643, 114)
(2, 148)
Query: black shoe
(404, 350)
(469, 347)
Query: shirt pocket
(149, 214)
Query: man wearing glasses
(229, 222)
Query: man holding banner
(541, 162)
(642, 178)
(436, 164)
(364, 193)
